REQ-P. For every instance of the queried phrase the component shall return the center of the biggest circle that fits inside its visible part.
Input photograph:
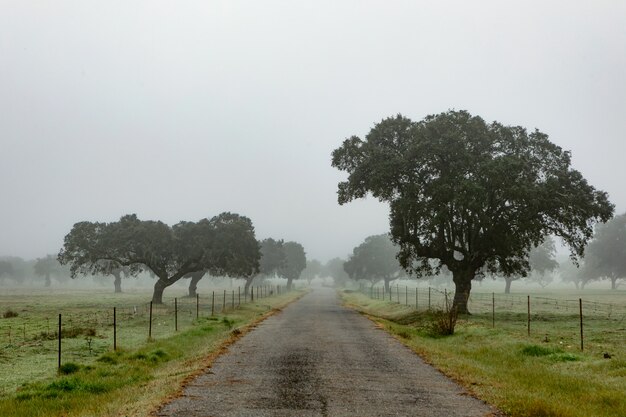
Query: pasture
(93, 375)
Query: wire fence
(572, 322)
(80, 333)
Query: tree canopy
(470, 194)
(334, 269)
(295, 262)
(606, 253)
(47, 267)
(170, 252)
(373, 260)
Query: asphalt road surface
(317, 358)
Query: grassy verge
(134, 382)
(523, 376)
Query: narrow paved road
(317, 358)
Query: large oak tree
(470, 194)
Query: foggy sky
(182, 110)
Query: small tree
(6, 269)
(313, 270)
(542, 261)
(273, 258)
(47, 267)
(606, 252)
(295, 262)
(373, 260)
(334, 269)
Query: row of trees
(224, 246)
(376, 259)
(19, 270)
(470, 196)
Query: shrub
(69, 368)
(9, 314)
(443, 322)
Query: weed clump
(9, 314)
(444, 322)
(69, 368)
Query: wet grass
(544, 374)
(129, 381)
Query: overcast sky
(180, 110)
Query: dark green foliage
(8, 314)
(473, 196)
(295, 262)
(69, 368)
(224, 245)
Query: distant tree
(373, 260)
(235, 252)
(170, 252)
(574, 273)
(470, 194)
(47, 267)
(334, 269)
(272, 260)
(313, 270)
(18, 270)
(295, 262)
(541, 260)
(606, 253)
(6, 269)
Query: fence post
(580, 304)
(238, 296)
(428, 298)
(406, 295)
(213, 303)
(493, 309)
(224, 302)
(150, 325)
(415, 298)
(233, 299)
(175, 314)
(528, 315)
(398, 293)
(114, 330)
(59, 358)
(197, 306)
(252, 293)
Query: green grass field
(95, 376)
(544, 374)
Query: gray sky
(180, 110)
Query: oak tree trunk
(463, 285)
(507, 288)
(117, 283)
(159, 287)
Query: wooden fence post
(114, 329)
(59, 358)
(528, 315)
(175, 314)
(150, 325)
(580, 304)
